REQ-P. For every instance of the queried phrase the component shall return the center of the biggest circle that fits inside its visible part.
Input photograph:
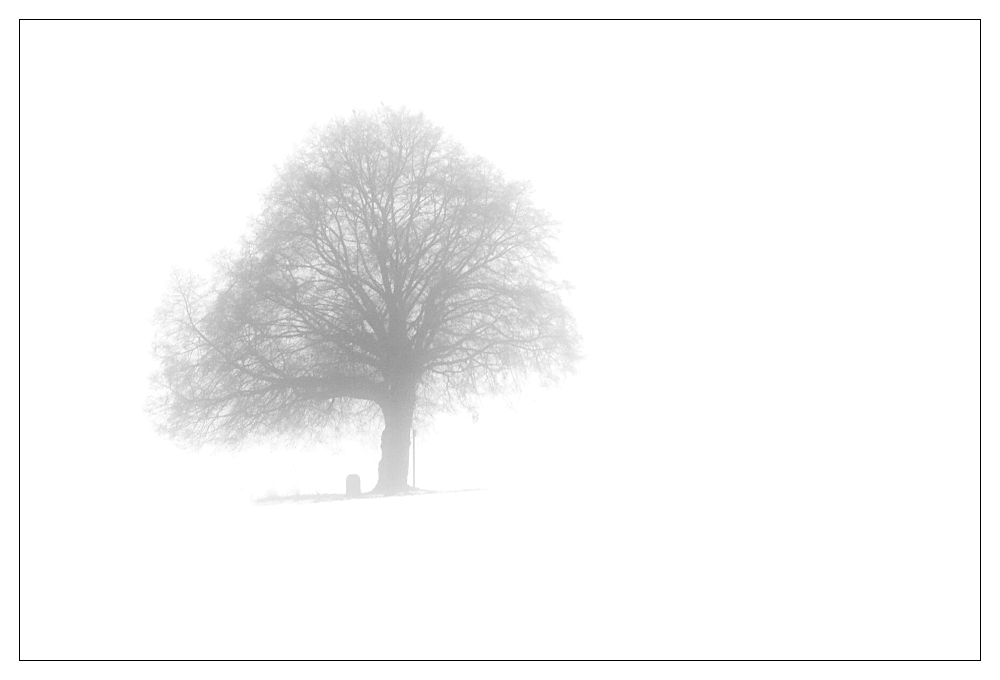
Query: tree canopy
(388, 268)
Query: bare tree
(388, 268)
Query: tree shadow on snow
(325, 497)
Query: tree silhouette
(388, 268)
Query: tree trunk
(394, 467)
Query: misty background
(770, 449)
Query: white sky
(773, 229)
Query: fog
(769, 451)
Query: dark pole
(413, 433)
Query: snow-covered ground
(698, 564)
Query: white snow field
(697, 556)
